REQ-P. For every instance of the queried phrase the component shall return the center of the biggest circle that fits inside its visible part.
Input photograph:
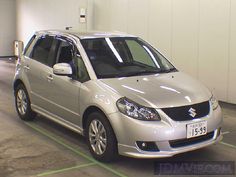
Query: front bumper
(128, 131)
(135, 152)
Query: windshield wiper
(135, 73)
(168, 70)
(141, 72)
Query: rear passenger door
(38, 63)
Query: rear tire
(101, 138)
(22, 103)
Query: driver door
(63, 91)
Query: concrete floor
(42, 148)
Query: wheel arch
(27, 87)
(92, 109)
(17, 82)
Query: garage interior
(197, 36)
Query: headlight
(214, 102)
(137, 111)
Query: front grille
(183, 113)
(191, 141)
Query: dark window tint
(124, 57)
(41, 51)
(82, 73)
(100, 55)
(65, 52)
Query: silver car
(118, 91)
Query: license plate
(196, 129)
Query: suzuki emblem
(192, 112)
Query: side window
(65, 52)
(41, 50)
(82, 73)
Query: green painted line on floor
(224, 133)
(227, 144)
(66, 169)
(47, 134)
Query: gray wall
(198, 36)
(7, 27)
(34, 15)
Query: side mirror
(62, 69)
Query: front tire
(101, 138)
(22, 103)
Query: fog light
(147, 146)
(144, 145)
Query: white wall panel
(7, 27)
(232, 61)
(47, 14)
(102, 14)
(213, 43)
(159, 28)
(138, 17)
(185, 34)
(119, 15)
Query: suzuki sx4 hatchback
(118, 91)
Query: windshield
(124, 57)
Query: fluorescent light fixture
(152, 56)
(130, 88)
(170, 89)
(188, 98)
(114, 50)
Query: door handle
(27, 67)
(50, 78)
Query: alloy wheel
(21, 102)
(97, 137)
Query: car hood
(160, 90)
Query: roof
(86, 35)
